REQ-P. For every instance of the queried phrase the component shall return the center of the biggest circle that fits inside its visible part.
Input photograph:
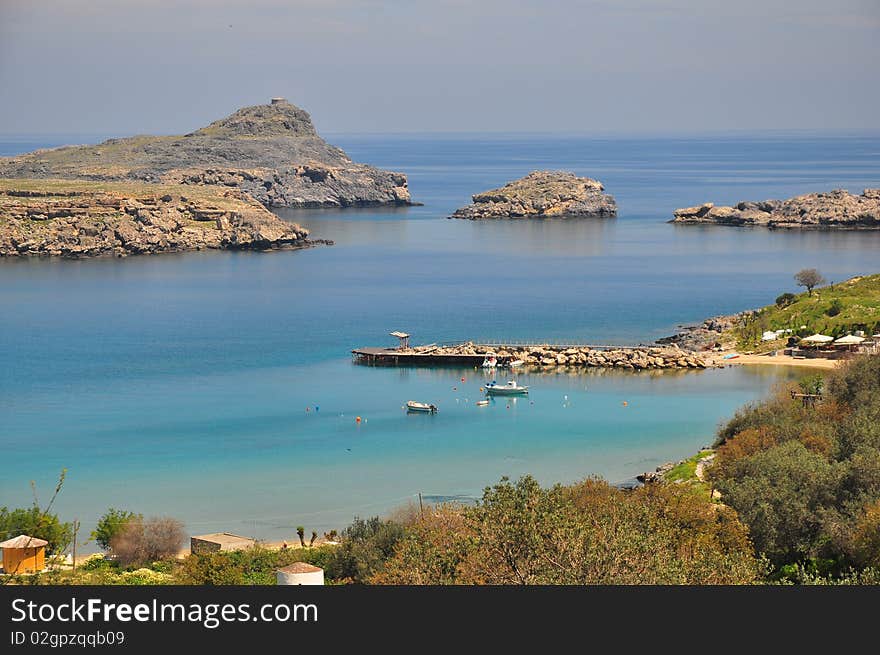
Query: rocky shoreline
(542, 194)
(708, 335)
(271, 152)
(88, 219)
(549, 357)
(837, 209)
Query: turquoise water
(218, 388)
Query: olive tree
(809, 278)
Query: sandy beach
(776, 360)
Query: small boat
(515, 363)
(509, 389)
(490, 362)
(414, 406)
(482, 403)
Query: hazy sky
(162, 66)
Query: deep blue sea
(218, 387)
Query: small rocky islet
(836, 209)
(542, 194)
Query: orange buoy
(481, 389)
(462, 379)
(625, 403)
(358, 419)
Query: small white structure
(219, 541)
(817, 339)
(849, 340)
(300, 573)
(403, 339)
(768, 336)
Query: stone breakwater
(82, 219)
(542, 194)
(836, 209)
(547, 357)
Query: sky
(118, 67)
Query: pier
(470, 354)
(412, 357)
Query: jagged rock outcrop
(711, 333)
(88, 219)
(836, 209)
(542, 194)
(272, 152)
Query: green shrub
(834, 308)
(111, 524)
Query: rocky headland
(542, 194)
(271, 152)
(713, 333)
(836, 209)
(88, 219)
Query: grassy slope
(859, 300)
(213, 194)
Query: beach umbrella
(849, 340)
(817, 338)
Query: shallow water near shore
(217, 387)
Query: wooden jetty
(395, 357)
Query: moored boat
(415, 406)
(509, 389)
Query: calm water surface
(217, 387)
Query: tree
(365, 547)
(37, 522)
(809, 278)
(301, 533)
(141, 542)
(34, 522)
(785, 299)
(111, 524)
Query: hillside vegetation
(835, 310)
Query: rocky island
(83, 218)
(271, 152)
(542, 194)
(836, 209)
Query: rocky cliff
(542, 194)
(271, 152)
(837, 209)
(86, 219)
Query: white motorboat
(509, 389)
(414, 406)
(490, 361)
